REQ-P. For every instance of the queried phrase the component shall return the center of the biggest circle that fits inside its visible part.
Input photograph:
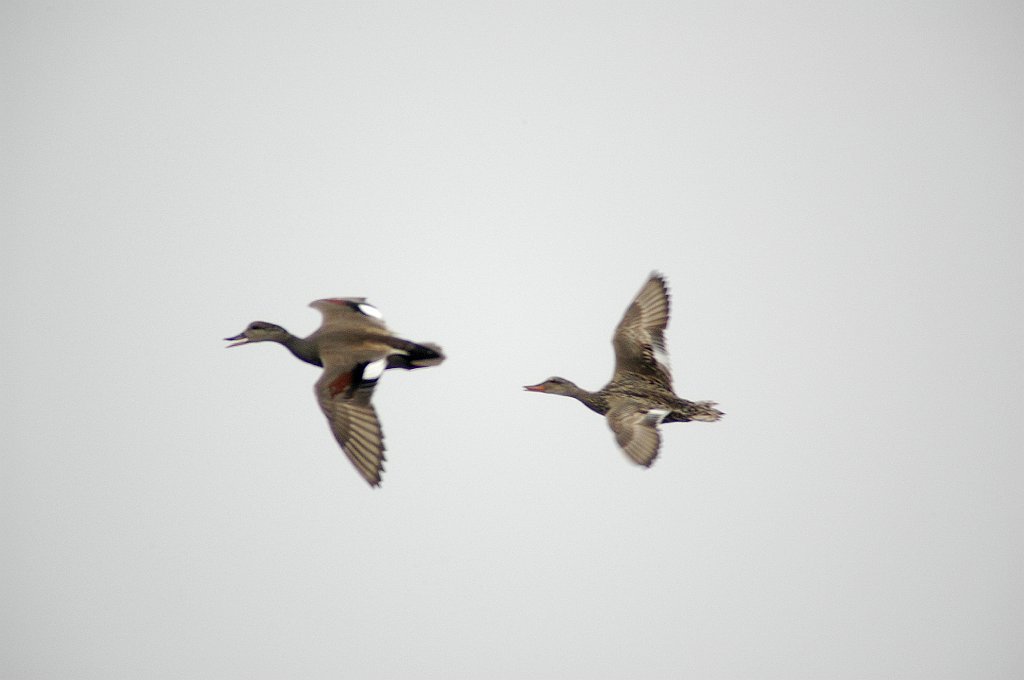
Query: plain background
(834, 191)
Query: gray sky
(834, 192)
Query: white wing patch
(661, 356)
(370, 310)
(373, 370)
(655, 416)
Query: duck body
(354, 348)
(414, 355)
(652, 397)
(640, 395)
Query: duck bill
(238, 340)
(535, 388)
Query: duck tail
(706, 411)
(415, 355)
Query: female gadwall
(640, 395)
(354, 347)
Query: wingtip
(656, 275)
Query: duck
(354, 347)
(640, 396)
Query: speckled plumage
(640, 395)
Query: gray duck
(640, 395)
(354, 347)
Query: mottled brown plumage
(640, 396)
(354, 347)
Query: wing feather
(636, 431)
(352, 419)
(639, 339)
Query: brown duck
(354, 347)
(639, 396)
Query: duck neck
(303, 349)
(595, 401)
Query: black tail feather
(414, 355)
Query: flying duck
(639, 396)
(354, 347)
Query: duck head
(554, 385)
(259, 331)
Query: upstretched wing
(344, 393)
(639, 339)
(636, 431)
(348, 316)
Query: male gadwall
(354, 347)
(639, 396)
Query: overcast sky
(833, 191)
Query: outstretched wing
(636, 431)
(639, 339)
(344, 393)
